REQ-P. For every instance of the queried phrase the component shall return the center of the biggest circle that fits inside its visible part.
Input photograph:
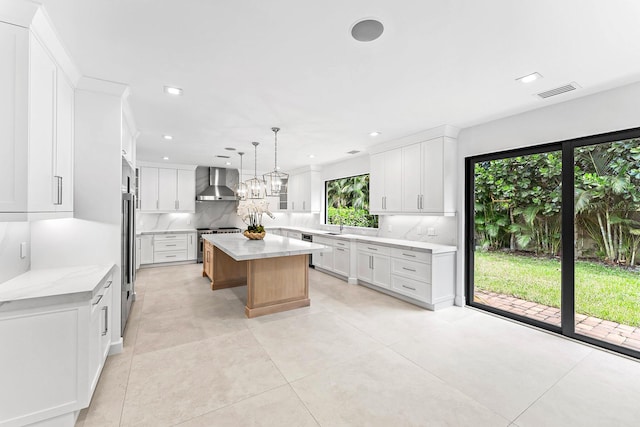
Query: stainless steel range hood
(218, 186)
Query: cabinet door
(191, 246)
(376, 182)
(105, 326)
(432, 175)
(146, 249)
(43, 186)
(381, 274)
(167, 189)
(186, 190)
(293, 194)
(138, 251)
(364, 266)
(411, 178)
(341, 262)
(14, 72)
(393, 180)
(304, 191)
(64, 143)
(148, 189)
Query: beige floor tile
(504, 366)
(278, 407)
(178, 383)
(384, 389)
(305, 345)
(106, 405)
(603, 390)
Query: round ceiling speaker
(367, 30)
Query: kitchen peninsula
(275, 270)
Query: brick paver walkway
(605, 330)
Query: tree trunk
(605, 242)
(512, 239)
(612, 255)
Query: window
(347, 202)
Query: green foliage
(518, 201)
(255, 228)
(351, 217)
(348, 202)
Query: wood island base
(273, 284)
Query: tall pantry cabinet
(37, 80)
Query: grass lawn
(608, 293)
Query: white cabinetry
(99, 336)
(164, 189)
(428, 177)
(192, 252)
(373, 264)
(324, 260)
(342, 258)
(304, 192)
(146, 249)
(385, 182)
(37, 108)
(138, 251)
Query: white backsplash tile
(11, 235)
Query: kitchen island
(275, 270)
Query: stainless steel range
(213, 230)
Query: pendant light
(276, 180)
(241, 189)
(255, 186)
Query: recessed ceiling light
(367, 30)
(165, 158)
(173, 90)
(311, 156)
(228, 163)
(167, 137)
(374, 133)
(529, 78)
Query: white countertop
(177, 231)
(240, 248)
(433, 248)
(73, 283)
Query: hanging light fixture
(276, 180)
(241, 189)
(255, 186)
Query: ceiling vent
(353, 152)
(557, 91)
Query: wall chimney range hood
(217, 189)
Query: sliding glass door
(553, 237)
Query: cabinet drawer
(170, 256)
(411, 269)
(375, 249)
(411, 255)
(170, 237)
(170, 245)
(324, 240)
(340, 243)
(411, 288)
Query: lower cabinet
(52, 356)
(324, 260)
(373, 264)
(207, 260)
(163, 247)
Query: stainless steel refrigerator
(128, 239)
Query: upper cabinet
(167, 189)
(37, 131)
(415, 178)
(304, 191)
(385, 182)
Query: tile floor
(356, 357)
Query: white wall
(607, 111)
(11, 235)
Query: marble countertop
(177, 231)
(65, 284)
(433, 248)
(240, 248)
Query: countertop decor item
(251, 213)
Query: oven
(216, 230)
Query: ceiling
(248, 65)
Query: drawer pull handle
(170, 256)
(408, 269)
(98, 300)
(373, 249)
(106, 320)
(409, 255)
(409, 287)
(170, 237)
(108, 284)
(170, 245)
